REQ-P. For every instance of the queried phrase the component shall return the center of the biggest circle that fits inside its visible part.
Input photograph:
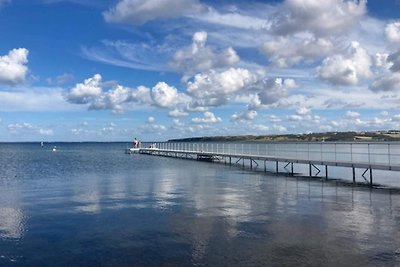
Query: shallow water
(90, 204)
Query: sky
(97, 70)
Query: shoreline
(372, 136)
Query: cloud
(394, 59)
(151, 119)
(61, 79)
(384, 113)
(346, 69)
(209, 117)
(83, 93)
(90, 93)
(287, 51)
(392, 32)
(118, 98)
(303, 111)
(198, 57)
(304, 114)
(279, 128)
(247, 115)
(387, 82)
(274, 90)
(396, 117)
(216, 86)
(142, 56)
(178, 113)
(25, 127)
(322, 18)
(138, 12)
(351, 115)
(110, 100)
(213, 89)
(233, 19)
(166, 96)
(152, 127)
(13, 67)
(274, 118)
(34, 99)
(381, 60)
(177, 123)
(141, 96)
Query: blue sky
(75, 70)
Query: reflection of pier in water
(364, 156)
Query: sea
(90, 204)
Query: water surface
(91, 205)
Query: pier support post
(265, 165)
(310, 170)
(370, 176)
(277, 166)
(251, 164)
(354, 175)
(292, 169)
(230, 160)
(326, 172)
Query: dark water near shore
(92, 205)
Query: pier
(365, 156)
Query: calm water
(92, 205)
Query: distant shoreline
(372, 136)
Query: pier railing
(387, 153)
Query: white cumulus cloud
(178, 113)
(346, 69)
(304, 114)
(247, 115)
(141, 95)
(13, 67)
(392, 32)
(112, 99)
(151, 119)
(286, 51)
(209, 117)
(198, 57)
(274, 90)
(166, 96)
(219, 85)
(389, 80)
(118, 97)
(83, 93)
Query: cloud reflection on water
(12, 223)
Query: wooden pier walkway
(235, 158)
